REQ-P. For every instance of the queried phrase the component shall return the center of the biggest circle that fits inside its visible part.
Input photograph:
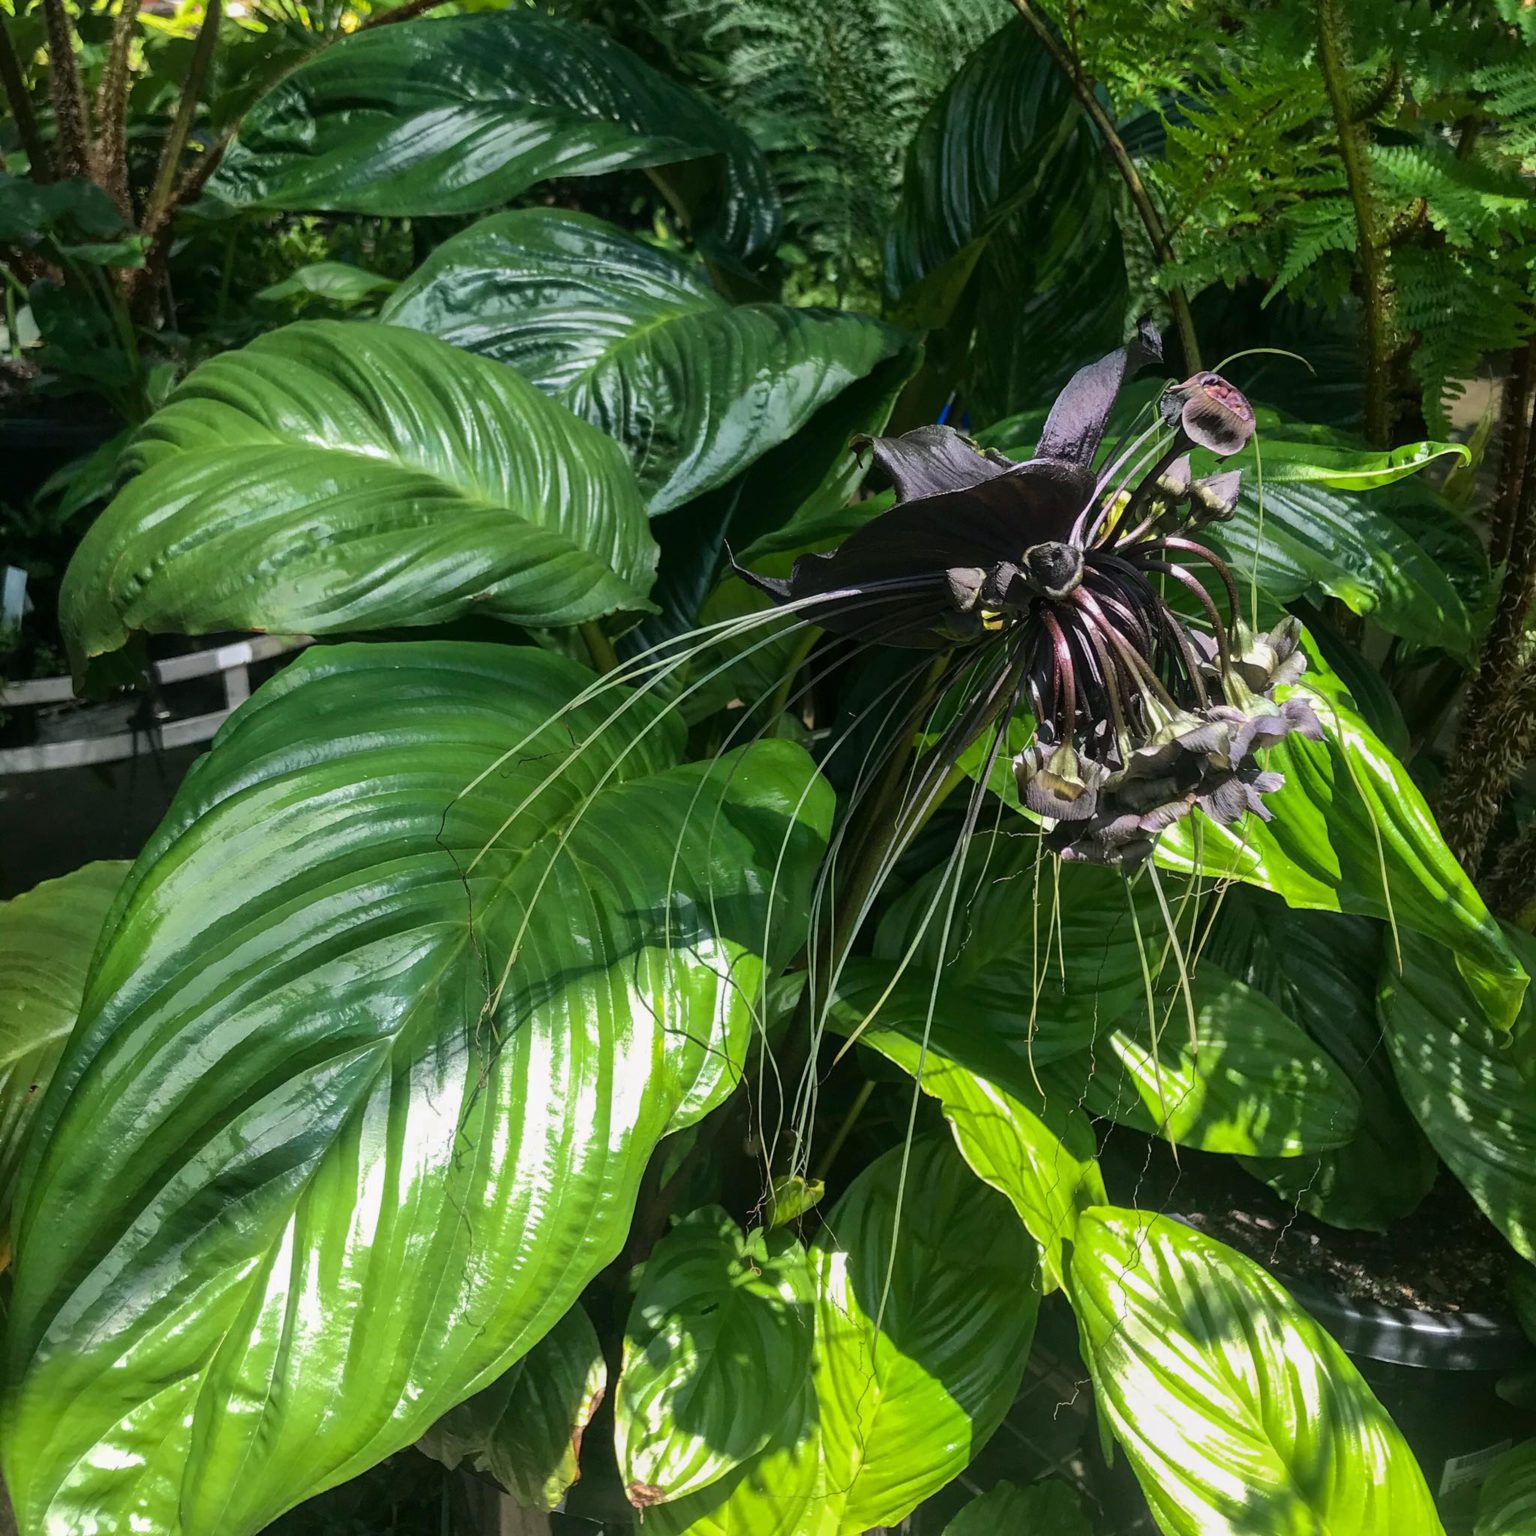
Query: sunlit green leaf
(47, 937)
(310, 1173)
(1351, 832)
(1470, 1088)
(1321, 969)
(1236, 1410)
(716, 1352)
(925, 1309)
(1254, 1082)
(336, 477)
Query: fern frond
(834, 94)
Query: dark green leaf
(1320, 968)
(46, 940)
(716, 1353)
(1506, 1504)
(1296, 538)
(978, 155)
(1470, 1088)
(1236, 1410)
(320, 1161)
(524, 1430)
(1041, 1509)
(461, 115)
(636, 340)
(925, 1310)
(336, 477)
(1256, 1085)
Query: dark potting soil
(1445, 1256)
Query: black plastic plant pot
(1437, 1374)
(40, 443)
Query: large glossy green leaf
(1321, 969)
(47, 937)
(1253, 1083)
(1041, 1509)
(336, 477)
(779, 1492)
(460, 116)
(1506, 1504)
(1299, 537)
(1030, 1142)
(1298, 455)
(524, 1430)
(1352, 832)
(716, 1353)
(977, 156)
(637, 341)
(368, 1069)
(1238, 1413)
(925, 1309)
(1470, 1088)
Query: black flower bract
(1076, 575)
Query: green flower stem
(599, 648)
(1378, 294)
(843, 1131)
(1157, 233)
(156, 214)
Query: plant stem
(14, 85)
(1515, 442)
(1378, 295)
(407, 12)
(599, 648)
(72, 135)
(161, 199)
(1152, 222)
(1489, 749)
(112, 110)
(844, 1130)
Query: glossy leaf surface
(905, 1408)
(1321, 968)
(47, 936)
(779, 1492)
(1303, 537)
(637, 341)
(461, 115)
(716, 1353)
(1470, 1089)
(1237, 1412)
(1506, 1504)
(976, 157)
(310, 1173)
(1031, 1143)
(336, 477)
(1352, 832)
(1255, 1083)
(524, 1430)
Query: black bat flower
(1071, 571)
